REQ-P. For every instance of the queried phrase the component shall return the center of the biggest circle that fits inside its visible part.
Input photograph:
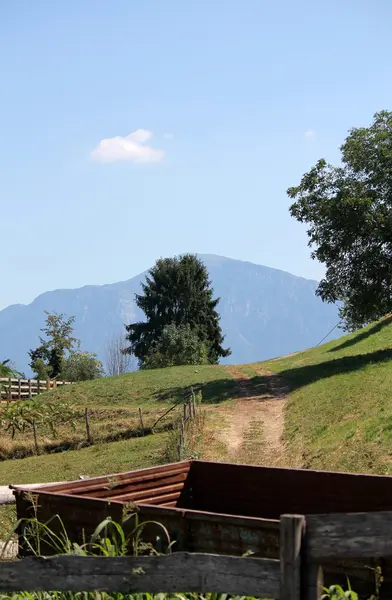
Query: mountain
(264, 313)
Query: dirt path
(249, 429)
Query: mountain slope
(264, 313)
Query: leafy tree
(348, 211)
(176, 346)
(177, 292)
(81, 366)
(47, 359)
(7, 369)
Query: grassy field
(113, 404)
(148, 389)
(339, 412)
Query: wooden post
(313, 582)
(30, 393)
(55, 384)
(19, 388)
(87, 425)
(194, 406)
(182, 438)
(38, 386)
(292, 529)
(48, 384)
(10, 388)
(184, 417)
(35, 438)
(141, 418)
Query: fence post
(87, 425)
(35, 438)
(182, 438)
(184, 418)
(38, 386)
(141, 418)
(10, 388)
(48, 384)
(292, 529)
(19, 388)
(194, 406)
(30, 393)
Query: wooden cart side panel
(269, 492)
(97, 484)
(64, 513)
(207, 532)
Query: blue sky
(227, 104)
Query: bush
(177, 346)
(81, 366)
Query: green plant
(109, 539)
(336, 592)
(25, 414)
(7, 370)
(81, 366)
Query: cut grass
(113, 404)
(338, 416)
(96, 460)
(339, 413)
(148, 389)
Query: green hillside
(337, 402)
(113, 404)
(339, 411)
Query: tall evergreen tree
(177, 291)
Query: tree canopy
(178, 345)
(177, 292)
(348, 211)
(46, 360)
(59, 354)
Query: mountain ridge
(265, 312)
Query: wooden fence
(15, 389)
(305, 544)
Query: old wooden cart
(206, 506)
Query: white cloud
(310, 133)
(130, 147)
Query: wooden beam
(350, 535)
(177, 572)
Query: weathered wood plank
(352, 535)
(291, 534)
(313, 580)
(179, 572)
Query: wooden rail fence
(12, 388)
(305, 544)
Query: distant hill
(264, 313)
